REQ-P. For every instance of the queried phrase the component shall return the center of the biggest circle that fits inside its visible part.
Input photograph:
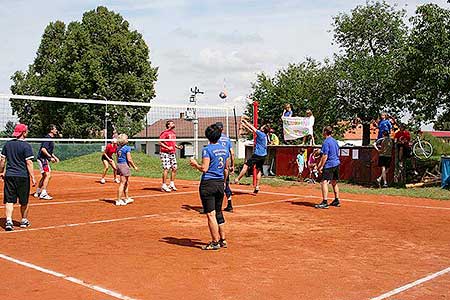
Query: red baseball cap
(19, 129)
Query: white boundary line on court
(292, 195)
(133, 179)
(412, 284)
(102, 199)
(267, 202)
(91, 222)
(350, 200)
(65, 277)
(130, 218)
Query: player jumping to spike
(259, 152)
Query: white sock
(164, 185)
(24, 219)
(38, 190)
(44, 192)
(8, 220)
(172, 183)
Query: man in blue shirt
(259, 152)
(214, 164)
(45, 156)
(19, 169)
(226, 143)
(329, 167)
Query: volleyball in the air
(222, 95)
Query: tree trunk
(366, 134)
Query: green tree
(443, 121)
(371, 39)
(9, 129)
(99, 55)
(425, 72)
(308, 85)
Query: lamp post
(106, 115)
(193, 98)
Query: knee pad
(219, 217)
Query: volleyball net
(92, 123)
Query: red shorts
(44, 166)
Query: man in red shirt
(402, 139)
(107, 160)
(168, 157)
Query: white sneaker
(129, 200)
(117, 180)
(45, 197)
(102, 181)
(165, 188)
(379, 181)
(173, 187)
(120, 202)
(36, 195)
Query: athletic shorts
(16, 187)
(44, 165)
(168, 160)
(104, 157)
(330, 174)
(384, 161)
(123, 170)
(211, 194)
(406, 150)
(257, 161)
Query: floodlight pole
(193, 98)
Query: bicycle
(422, 149)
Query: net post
(235, 131)
(195, 121)
(255, 123)
(106, 121)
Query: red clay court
(81, 246)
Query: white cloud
(185, 33)
(192, 42)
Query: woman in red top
(107, 161)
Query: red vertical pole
(255, 123)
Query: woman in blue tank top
(124, 162)
(214, 163)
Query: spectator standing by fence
(402, 139)
(310, 134)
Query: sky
(212, 44)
